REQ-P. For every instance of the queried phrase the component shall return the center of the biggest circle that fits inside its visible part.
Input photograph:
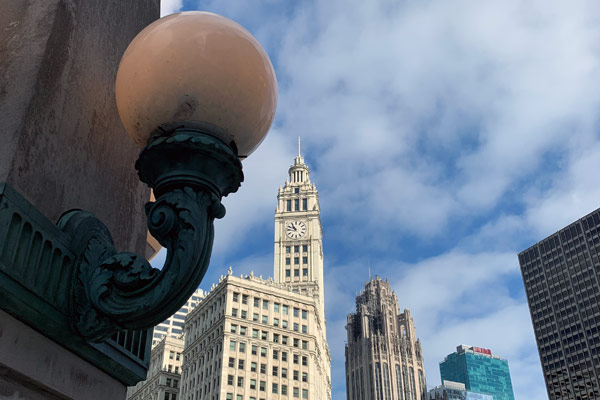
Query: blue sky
(444, 137)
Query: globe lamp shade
(197, 67)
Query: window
(242, 347)
(296, 249)
(284, 340)
(234, 312)
(296, 374)
(304, 204)
(256, 301)
(284, 390)
(171, 355)
(296, 190)
(296, 392)
(255, 333)
(232, 345)
(304, 314)
(288, 273)
(244, 314)
(288, 249)
(304, 248)
(304, 360)
(296, 341)
(304, 394)
(240, 364)
(297, 204)
(296, 326)
(239, 397)
(275, 321)
(231, 362)
(275, 371)
(304, 329)
(230, 395)
(284, 324)
(253, 384)
(276, 307)
(240, 381)
(284, 373)
(264, 335)
(295, 357)
(263, 351)
(275, 354)
(304, 260)
(264, 319)
(305, 345)
(284, 309)
(243, 330)
(252, 367)
(236, 297)
(296, 260)
(230, 380)
(245, 299)
(304, 377)
(255, 317)
(275, 388)
(296, 272)
(233, 328)
(263, 368)
(283, 356)
(265, 304)
(276, 338)
(296, 312)
(287, 261)
(263, 384)
(305, 272)
(288, 205)
(168, 381)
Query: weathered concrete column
(62, 146)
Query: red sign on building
(482, 350)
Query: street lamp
(199, 93)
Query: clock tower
(298, 233)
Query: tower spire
(298, 146)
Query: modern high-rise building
(164, 372)
(562, 281)
(384, 360)
(173, 326)
(256, 339)
(479, 370)
(449, 390)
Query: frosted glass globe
(197, 67)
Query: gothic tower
(298, 233)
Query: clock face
(295, 229)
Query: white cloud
(170, 6)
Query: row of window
(264, 335)
(295, 391)
(288, 260)
(275, 387)
(296, 358)
(288, 249)
(264, 318)
(288, 205)
(277, 307)
(263, 370)
(233, 345)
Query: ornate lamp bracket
(190, 171)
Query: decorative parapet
(37, 268)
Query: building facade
(164, 374)
(562, 281)
(384, 360)
(479, 370)
(173, 326)
(449, 390)
(256, 339)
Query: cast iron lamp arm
(190, 171)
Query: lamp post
(198, 92)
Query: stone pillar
(62, 146)
(62, 142)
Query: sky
(444, 137)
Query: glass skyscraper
(479, 370)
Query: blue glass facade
(481, 373)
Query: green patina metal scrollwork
(190, 171)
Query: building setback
(383, 355)
(561, 275)
(479, 370)
(173, 326)
(449, 390)
(163, 380)
(256, 339)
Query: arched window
(378, 383)
(386, 382)
(399, 383)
